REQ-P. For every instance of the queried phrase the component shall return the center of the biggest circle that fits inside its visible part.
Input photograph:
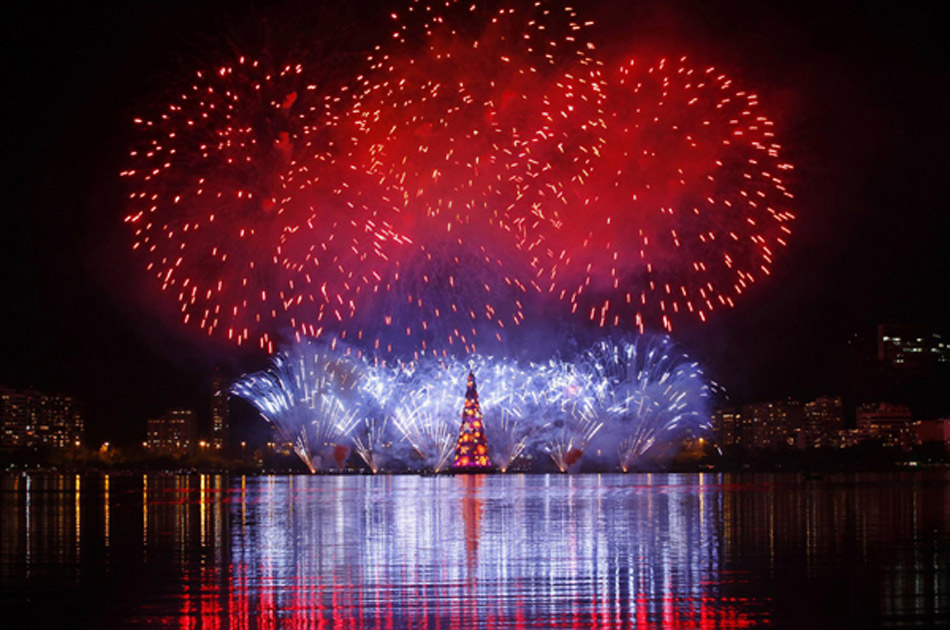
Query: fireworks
(425, 203)
(370, 443)
(637, 393)
(506, 390)
(686, 208)
(424, 405)
(652, 390)
(311, 396)
(508, 438)
(565, 397)
(453, 117)
(212, 191)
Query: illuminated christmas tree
(471, 450)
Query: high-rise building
(758, 418)
(220, 415)
(173, 432)
(790, 415)
(774, 424)
(912, 348)
(19, 416)
(824, 420)
(60, 422)
(888, 423)
(729, 428)
(29, 418)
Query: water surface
(493, 552)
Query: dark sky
(857, 87)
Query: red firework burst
(484, 157)
(220, 175)
(686, 207)
(341, 251)
(468, 111)
(476, 115)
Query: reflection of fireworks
(310, 395)
(654, 392)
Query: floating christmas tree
(471, 451)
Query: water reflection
(613, 551)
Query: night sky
(858, 91)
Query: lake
(494, 551)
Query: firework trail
(311, 395)
(653, 393)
